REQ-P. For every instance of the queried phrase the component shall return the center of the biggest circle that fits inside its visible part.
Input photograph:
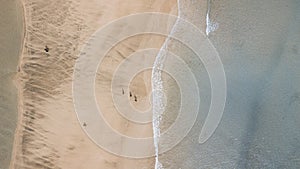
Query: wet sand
(258, 43)
(260, 57)
(49, 134)
(11, 38)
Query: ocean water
(258, 43)
(11, 36)
(158, 100)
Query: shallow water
(11, 36)
(258, 43)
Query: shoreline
(42, 126)
(13, 38)
(17, 83)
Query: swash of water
(259, 44)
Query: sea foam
(158, 106)
(210, 25)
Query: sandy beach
(49, 134)
(42, 43)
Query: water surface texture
(11, 35)
(258, 43)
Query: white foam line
(157, 87)
(210, 26)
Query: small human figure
(123, 91)
(130, 94)
(46, 48)
(135, 98)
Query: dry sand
(258, 42)
(49, 134)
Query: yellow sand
(49, 134)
